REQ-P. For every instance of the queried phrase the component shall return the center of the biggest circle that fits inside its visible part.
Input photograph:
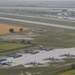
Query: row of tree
(12, 30)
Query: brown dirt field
(4, 28)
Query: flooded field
(4, 28)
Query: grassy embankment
(72, 72)
(11, 46)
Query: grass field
(72, 72)
(10, 46)
(55, 37)
(4, 28)
(67, 60)
(52, 37)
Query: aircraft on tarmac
(51, 58)
(6, 63)
(1, 60)
(33, 63)
(31, 52)
(46, 49)
(67, 55)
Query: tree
(21, 29)
(73, 66)
(23, 41)
(11, 30)
(29, 42)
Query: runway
(38, 17)
(38, 23)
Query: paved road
(38, 23)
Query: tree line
(12, 30)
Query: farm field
(72, 72)
(10, 46)
(4, 28)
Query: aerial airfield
(36, 58)
(45, 44)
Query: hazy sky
(33, 0)
(24, 1)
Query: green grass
(66, 61)
(57, 38)
(10, 46)
(72, 72)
